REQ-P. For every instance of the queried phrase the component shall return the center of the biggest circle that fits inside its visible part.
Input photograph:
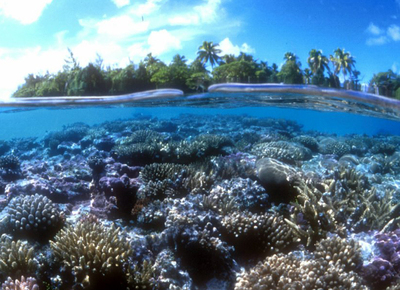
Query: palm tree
(228, 58)
(150, 59)
(208, 52)
(308, 75)
(317, 61)
(290, 56)
(343, 62)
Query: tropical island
(151, 73)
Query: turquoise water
(35, 122)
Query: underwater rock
(278, 179)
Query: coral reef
(16, 257)
(257, 235)
(282, 150)
(202, 200)
(92, 252)
(25, 284)
(291, 272)
(34, 216)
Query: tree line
(151, 73)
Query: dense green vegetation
(151, 73)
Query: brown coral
(281, 272)
(16, 257)
(252, 234)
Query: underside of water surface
(244, 187)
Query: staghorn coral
(282, 150)
(255, 234)
(25, 284)
(33, 216)
(16, 257)
(92, 252)
(281, 272)
(315, 213)
(142, 276)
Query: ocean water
(203, 188)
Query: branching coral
(255, 234)
(16, 257)
(340, 253)
(314, 213)
(91, 249)
(31, 215)
(170, 180)
(290, 272)
(25, 284)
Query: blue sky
(35, 34)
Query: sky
(35, 34)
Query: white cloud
(380, 37)
(24, 11)
(373, 29)
(377, 40)
(394, 32)
(163, 41)
(395, 67)
(121, 27)
(21, 62)
(111, 52)
(138, 51)
(121, 3)
(227, 47)
(147, 8)
(206, 13)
